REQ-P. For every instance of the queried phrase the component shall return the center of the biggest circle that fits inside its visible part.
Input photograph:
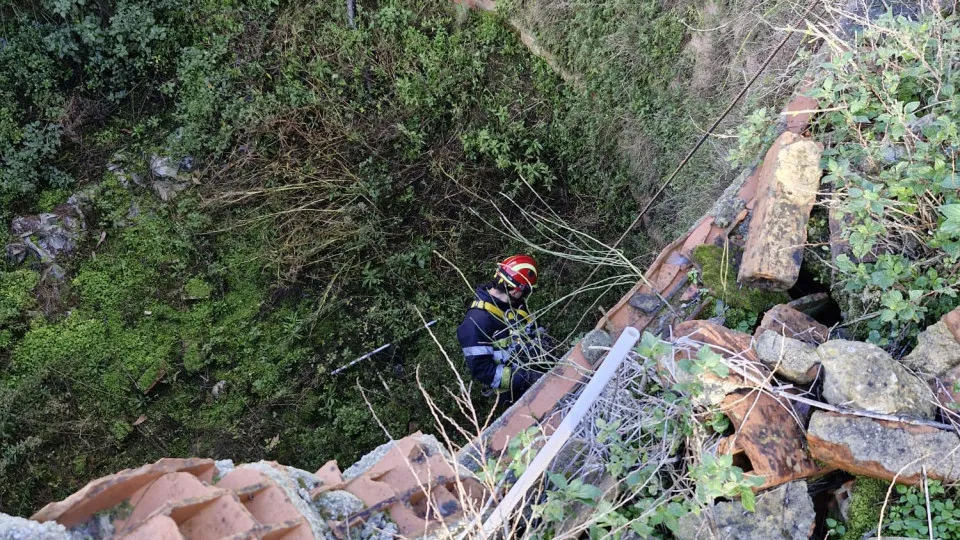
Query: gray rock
(917, 126)
(55, 272)
(17, 528)
(647, 303)
(337, 505)
(163, 167)
(883, 449)
(594, 345)
(167, 190)
(937, 351)
(785, 512)
(892, 153)
(218, 389)
(865, 377)
(791, 358)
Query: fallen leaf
(142, 419)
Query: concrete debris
(223, 466)
(937, 352)
(790, 358)
(789, 180)
(884, 449)
(337, 505)
(18, 528)
(865, 377)
(786, 512)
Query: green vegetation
(740, 306)
(864, 510)
(652, 496)
(328, 164)
(909, 513)
(656, 80)
(891, 133)
(906, 514)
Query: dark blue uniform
(487, 346)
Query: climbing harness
(509, 317)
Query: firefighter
(498, 336)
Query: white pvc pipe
(597, 383)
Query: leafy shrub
(891, 124)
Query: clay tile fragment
(169, 487)
(330, 473)
(109, 491)
(789, 322)
(156, 528)
(768, 441)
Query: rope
(690, 154)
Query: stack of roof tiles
(408, 487)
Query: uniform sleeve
(479, 354)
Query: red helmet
(518, 271)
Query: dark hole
(741, 460)
(828, 313)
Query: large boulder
(785, 512)
(883, 449)
(865, 377)
(790, 358)
(937, 351)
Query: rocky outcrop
(790, 358)
(864, 376)
(785, 512)
(884, 449)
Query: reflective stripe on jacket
(485, 340)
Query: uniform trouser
(520, 381)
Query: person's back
(491, 334)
